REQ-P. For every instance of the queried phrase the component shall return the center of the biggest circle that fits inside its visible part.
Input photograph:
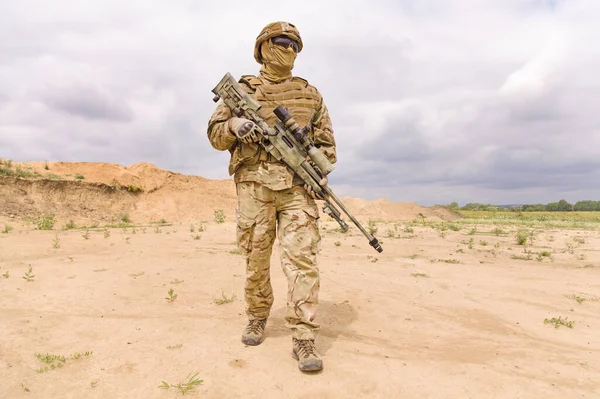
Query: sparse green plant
(172, 295)
(372, 227)
(54, 176)
(134, 275)
(187, 386)
(223, 300)
(521, 237)
(578, 298)
(498, 232)
(25, 388)
(125, 218)
(570, 248)
(560, 322)
(543, 254)
(520, 257)
(235, 252)
(79, 176)
(77, 355)
(46, 222)
(86, 235)
(483, 243)
(29, 276)
(472, 231)
(579, 240)
(135, 189)
(192, 229)
(196, 237)
(219, 216)
(453, 227)
(449, 260)
(157, 230)
(176, 281)
(100, 270)
(419, 275)
(56, 242)
(177, 346)
(70, 225)
(46, 167)
(460, 250)
(6, 274)
(409, 230)
(337, 243)
(588, 266)
(57, 361)
(7, 229)
(106, 233)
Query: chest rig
(301, 99)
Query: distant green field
(580, 220)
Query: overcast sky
(432, 101)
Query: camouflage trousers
(292, 215)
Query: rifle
(289, 144)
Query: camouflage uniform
(272, 200)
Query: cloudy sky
(432, 101)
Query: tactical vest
(301, 99)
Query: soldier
(272, 200)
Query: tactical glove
(244, 130)
(322, 182)
(313, 193)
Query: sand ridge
(81, 191)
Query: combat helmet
(275, 29)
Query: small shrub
(46, 222)
(219, 216)
(521, 237)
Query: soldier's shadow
(335, 320)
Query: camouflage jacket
(250, 162)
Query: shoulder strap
(250, 81)
(300, 80)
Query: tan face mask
(278, 62)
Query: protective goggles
(285, 42)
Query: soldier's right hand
(244, 130)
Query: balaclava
(277, 61)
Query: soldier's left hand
(313, 193)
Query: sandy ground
(407, 323)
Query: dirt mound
(88, 192)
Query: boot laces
(255, 326)
(306, 346)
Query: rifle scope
(315, 154)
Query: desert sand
(441, 313)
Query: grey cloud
(87, 102)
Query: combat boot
(306, 353)
(254, 331)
